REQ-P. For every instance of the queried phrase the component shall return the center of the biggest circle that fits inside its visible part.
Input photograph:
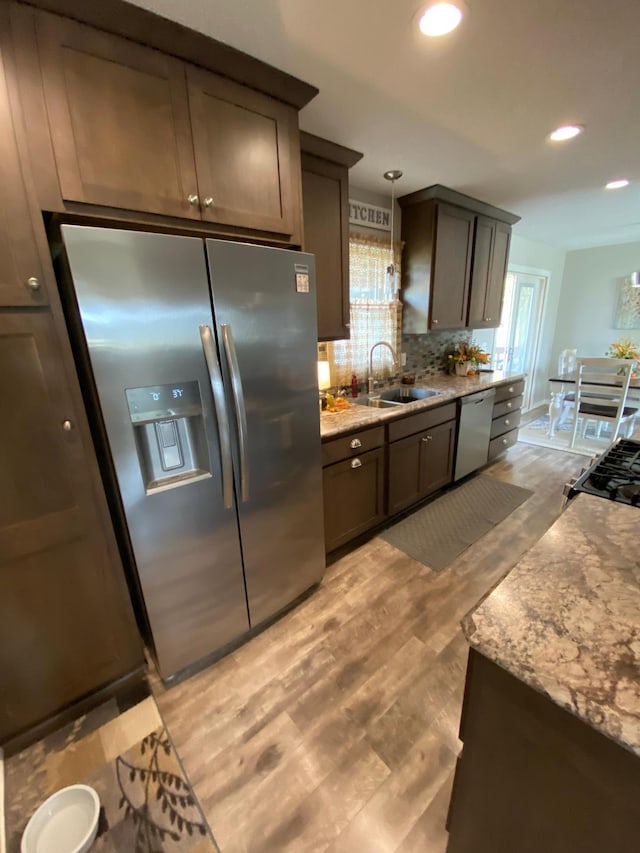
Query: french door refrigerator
(203, 359)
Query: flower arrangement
(624, 348)
(468, 354)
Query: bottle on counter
(354, 385)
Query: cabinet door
(490, 255)
(483, 245)
(451, 267)
(66, 625)
(245, 147)
(326, 235)
(119, 120)
(498, 273)
(20, 271)
(405, 478)
(436, 458)
(353, 497)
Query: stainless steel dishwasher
(476, 411)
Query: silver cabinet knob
(511, 389)
(427, 437)
(356, 463)
(355, 443)
(434, 322)
(509, 405)
(507, 422)
(208, 201)
(505, 441)
(192, 199)
(34, 283)
(487, 319)
(67, 426)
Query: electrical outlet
(403, 359)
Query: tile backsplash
(425, 352)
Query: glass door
(514, 344)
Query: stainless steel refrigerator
(203, 355)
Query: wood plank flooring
(336, 728)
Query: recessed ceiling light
(438, 19)
(617, 185)
(567, 131)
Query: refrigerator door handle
(238, 401)
(217, 389)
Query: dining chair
(602, 386)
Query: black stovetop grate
(615, 475)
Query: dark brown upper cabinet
(119, 120)
(325, 200)
(67, 626)
(245, 144)
(21, 280)
(491, 252)
(137, 130)
(454, 261)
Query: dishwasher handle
(480, 397)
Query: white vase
(462, 368)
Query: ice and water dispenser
(170, 434)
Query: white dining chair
(601, 391)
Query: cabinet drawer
(353, 492)
(497, 445)
(514, 404)
(505, 423)
(423, 420)
(352, 445)
(513, 389)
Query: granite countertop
(449, 388)
(566, 620)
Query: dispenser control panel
(159, 402)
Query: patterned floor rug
(435, 534)
(147, 804)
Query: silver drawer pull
(507, 421)
(509, 405)
(355, 443)
(356, 463)
(67, 426)
(511, 390)
(505, 441)
(33, 283)
(208, 202)
(434, 322)
(193, 199)
(427, 437)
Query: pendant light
(392, 175)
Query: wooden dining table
(562, 385)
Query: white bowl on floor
(67, 822)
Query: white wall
(590, 287)
(531, 256)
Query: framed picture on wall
(628, 307)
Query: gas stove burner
(628, 492)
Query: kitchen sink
(396, 397)
(376, 402)
(407, 395)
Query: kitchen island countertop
(566, 620)
(449, 388)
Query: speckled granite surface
(449, 388)
(566, 620)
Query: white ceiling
(470, 110)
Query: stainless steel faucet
(393, 354)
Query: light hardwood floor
(336, 729)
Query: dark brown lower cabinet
(532, 777)
(420, 464)
(66, 622)
(353, 497)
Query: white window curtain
(375, 311)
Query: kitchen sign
(369, 215)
